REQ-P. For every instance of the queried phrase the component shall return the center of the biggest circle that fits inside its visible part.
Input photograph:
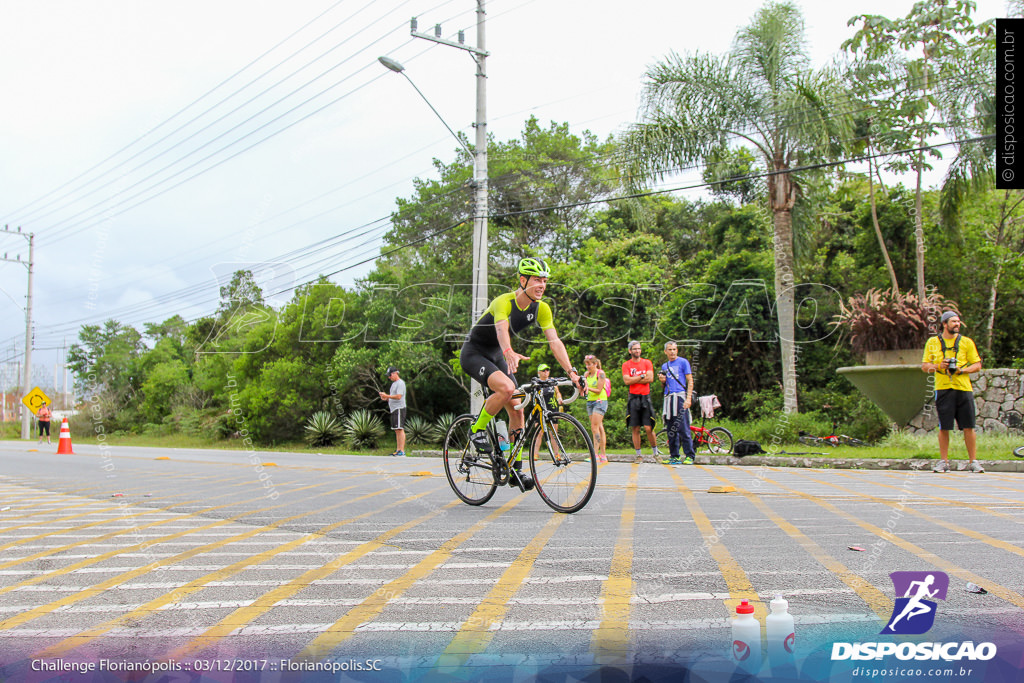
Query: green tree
(909, 54)
(765, 94)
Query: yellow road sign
(34, 399)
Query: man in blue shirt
(677, 377)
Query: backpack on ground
(743, 447)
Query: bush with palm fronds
(442, 424)
(363, 429)
(420, 430)
(323, 429)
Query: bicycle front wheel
(719, 440)
(470, 475)
(1019, 452)
(563, 464)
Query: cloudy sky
(153, 149)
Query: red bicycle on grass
(718, 440)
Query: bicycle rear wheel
(812, 440)
(850, 441)
(470, 474)
(719, 440)
(563, 464)
(1019, 452)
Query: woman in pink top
(44, 414)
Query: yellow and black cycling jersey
(484, 336)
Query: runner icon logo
(914, 613)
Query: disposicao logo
(914, 613)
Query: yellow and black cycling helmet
(532, 267)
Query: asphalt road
(272, 566)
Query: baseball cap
(543, 366)
(947, 315)
(392, 369)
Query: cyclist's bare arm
(561, 355)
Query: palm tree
(763, 93)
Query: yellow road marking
(879, 603)
(977, 535)
(89, 592)
(343, 628)
(51, 533)
(475, 634)
(9, 623)
(948, 501)
(736, 580)
(926, 555)
(198, 584)
(610, 641)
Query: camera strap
(956, 345)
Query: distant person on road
(677, 377)
(953, 357)
(396, 404)
(638, 373)
(45, 415)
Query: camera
(952, 365)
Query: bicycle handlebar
(530, 388)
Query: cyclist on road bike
(488, 357)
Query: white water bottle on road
(781, 634)
(746, 638)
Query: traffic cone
(64, 445)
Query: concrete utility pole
(26, 386)
(479, 55)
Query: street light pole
(26, 386)
(479, 55)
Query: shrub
(883, 320)
(420, 430)
(323, 429)
(443, 423)
(363, 429)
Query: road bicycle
(832, 439)
(718, 440)
(562, 460)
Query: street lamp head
(391, 64)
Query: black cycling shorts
(953, 405)
(480, 364)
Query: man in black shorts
(638, 373)
(488, 357)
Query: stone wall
(998, 400)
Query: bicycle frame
(536, 421)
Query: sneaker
(674, 461)
(399, 454)
(688, 460)
(481, 442)
(941, 466)
(639, 459)
(975, 466)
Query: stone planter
(893, 381)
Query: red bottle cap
(744, 607)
